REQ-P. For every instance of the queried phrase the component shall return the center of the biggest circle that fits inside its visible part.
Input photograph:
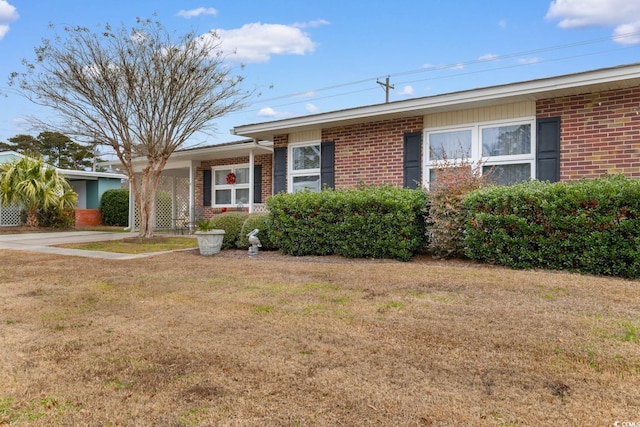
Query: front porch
(190, 186)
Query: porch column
(251, 179)
(174, 213)
(192, 192)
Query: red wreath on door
(231, 178)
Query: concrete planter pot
(210, 242)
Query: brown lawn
(184, 340)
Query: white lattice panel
(181, 202)
(9, 215)
(260, 208)
(172, 201)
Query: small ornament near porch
(254, 242)
(209, 239)
(231, 178)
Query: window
(304, 167)
(227, 192)
(506, 147)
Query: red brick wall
(88, 217)
(600, 133)
(371, 153)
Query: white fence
(9, 215)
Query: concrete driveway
(45, 243)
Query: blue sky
(314, 56)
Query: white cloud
(311, 24)
(8, 14)
(257, 42)
(528, 60)
(457, 67)
(406, 91)
(627, 33)
(623, 15)
(270, 112)
(307, 94)
(197, 12)
(502, 23)
(311, 108)
(488, 57)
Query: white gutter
(493, 93)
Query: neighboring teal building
(91, 185)
(88, 185)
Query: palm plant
(30, 183)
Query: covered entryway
(187, 185)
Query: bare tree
(143, 91)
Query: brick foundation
(88, 217)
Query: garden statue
(254, 242)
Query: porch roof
(560, 86)
(181, 160)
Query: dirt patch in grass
(185, 340)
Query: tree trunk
(146, 204)
(32, 217)
(146, 197)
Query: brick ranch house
(562, 128)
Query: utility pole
(386, 87)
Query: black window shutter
(257, 183)
(412, 163)
(548, 149)
(327, 160)
(206, 187)
(279, 170)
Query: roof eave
(513, 92)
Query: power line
(449, 66)
(419, 80)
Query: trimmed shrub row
(590, 226)
(376, 222)
(238, 224)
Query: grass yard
(184, 340)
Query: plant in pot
(209, 238)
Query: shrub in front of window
(449, 186)
(376, 222)
(231, 223)
(114, 207)
(590, 226)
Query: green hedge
(262, 222)
(114, 207)
(590, 226)
(377, 222)
(231, 223)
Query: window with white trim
(506, 146)
(230, 185)
(304, 167)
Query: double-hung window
(507, 147)
(230, 185)
(304, 167)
